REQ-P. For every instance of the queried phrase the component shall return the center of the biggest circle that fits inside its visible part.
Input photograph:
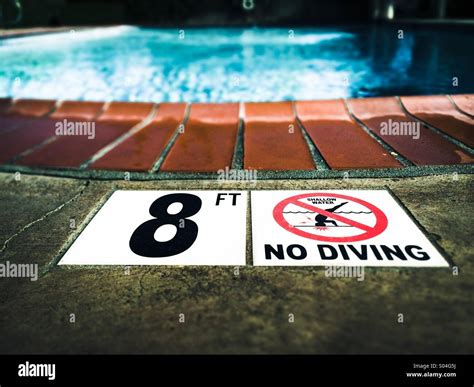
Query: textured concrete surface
(117, 311)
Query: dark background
(35, 13)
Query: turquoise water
(219, 65)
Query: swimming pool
(247, 64)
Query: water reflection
(217, 65)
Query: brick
(208, 141)
(140, 151)
(340, 140)
(429, 149)
(438, 111)
(273, 140)
(78, 110)
(25, 135)
(32, 107)
(126, 111)
(9, 122)
(21, 113)
(73, 151)
(464, 102)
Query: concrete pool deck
(137, 310)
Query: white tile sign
(340, 228)
(164, 228)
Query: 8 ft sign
(164, 228)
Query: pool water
(252, 64)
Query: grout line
(101, 111)
(242, 110)
(238, 156)
(446, 136)
(249, 237)
(157, 165)
(54, 137)
(54, 108)
(111, 175)
(13, 102)
(425, 232)
(135, 129)
(28, 119)
(34, 148)
(457, 107)
(78, 230)
(16, 126)
(398, 156)
(318, 159)
(43, 143)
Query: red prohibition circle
(380, 225)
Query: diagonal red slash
(332, 215)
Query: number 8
(143, 242)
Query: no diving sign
(331, 222)
(343, 228)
